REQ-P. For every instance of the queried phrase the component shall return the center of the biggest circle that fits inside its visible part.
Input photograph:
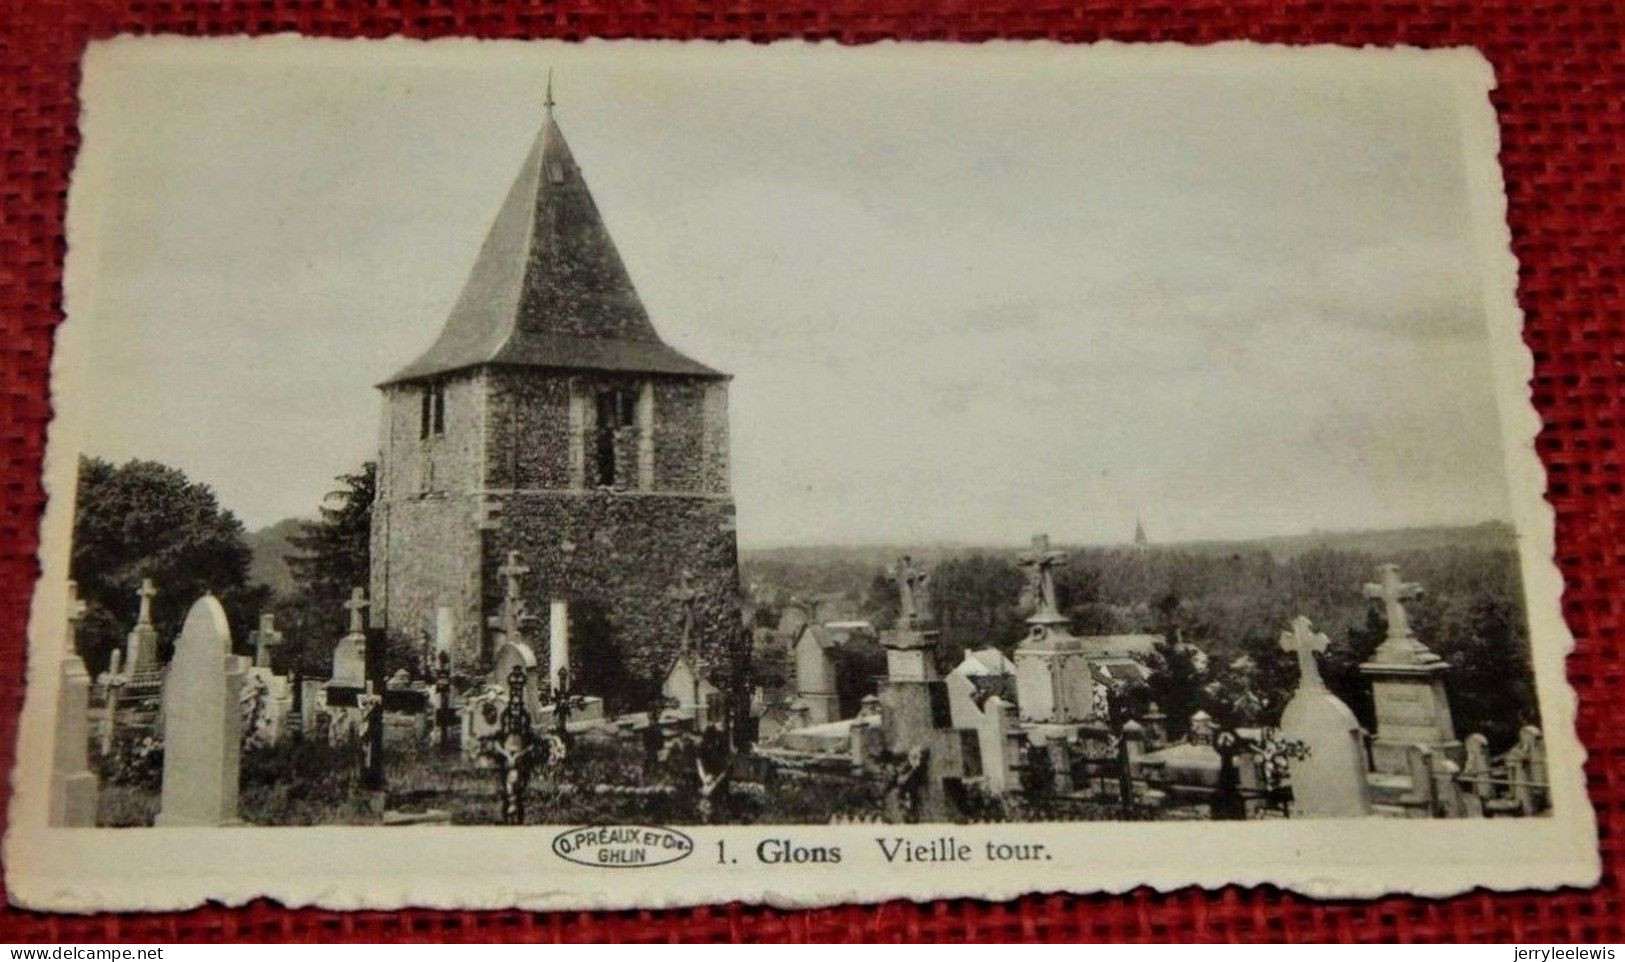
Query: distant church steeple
(1140, 541)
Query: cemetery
(217, 735)
(528, 611)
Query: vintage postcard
(646, 474)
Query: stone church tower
(549, 418)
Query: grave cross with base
(514, 617)
(265, 639)
(357, 606)
(1407, 685)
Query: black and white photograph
(842, 473)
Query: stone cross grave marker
(264, 639)
(202, 722)
(357, 607)
(1401, 644)
(1040, 563)
(911, 600)
(112, 681)
(141, 646)
(514, 618)
(1302, 639)
(1331, 781)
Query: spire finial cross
(548, 101)
(1305, 640)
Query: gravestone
(1331, 781)
(1407, 684)
(980, 676)
(685, 683)
(513, 655)
(275, 708)
(73, 785)
(815, 670)
(1053, 682)
(202, 722)
(141, 645)
(999, 744)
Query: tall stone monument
(1331, 781)
(349, 678)
(1053, 682)
(73, 785)
(916, 721)
(202, 722)
(1407, 684)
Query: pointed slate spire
(549, 288)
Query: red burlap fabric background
(1562, 82)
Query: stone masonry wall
(426, 553)
(620, 553)
(412, 466)
(528, 442)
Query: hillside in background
(271, 549)
(1490, 535)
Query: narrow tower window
(432, 414)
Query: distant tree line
(1221, 616)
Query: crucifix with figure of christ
(1041, 562)
(911, 582)
(1306, 641)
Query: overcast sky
(965, 295)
